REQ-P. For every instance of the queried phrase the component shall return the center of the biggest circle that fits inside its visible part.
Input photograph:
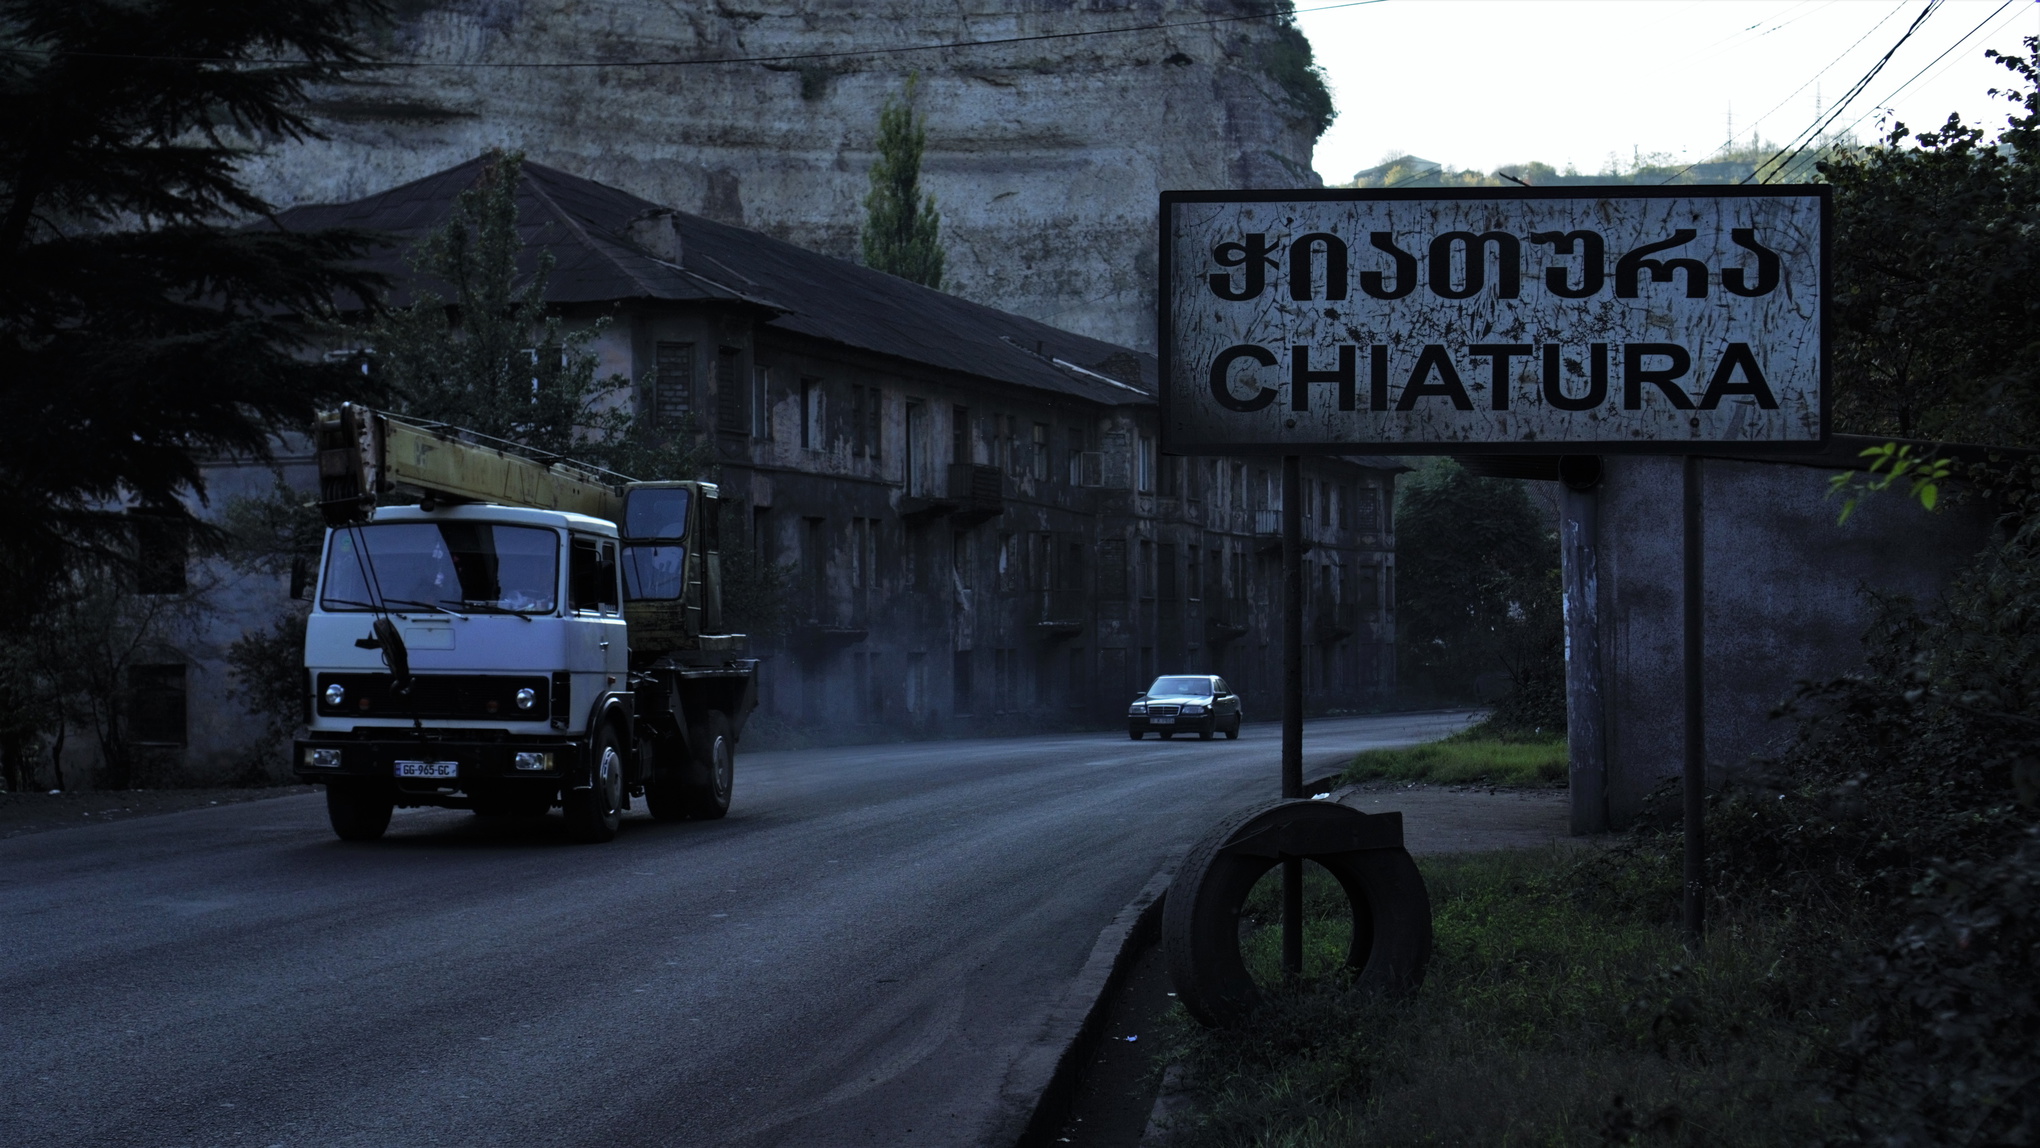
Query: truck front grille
(491, 696)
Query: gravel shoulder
(39, 812)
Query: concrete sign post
(1490, 320)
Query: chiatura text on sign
(1491, 319)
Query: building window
(1345, 506)
(1040, 461)
(1076, 441)
(1369, 511)
(156, 711)
(761, 403)
(811, 414)
(959, 434)
(959, 683)
(672, 384)
(732, 400)
(814, 558)
(162, 554)
(917, 682)
(864, 422)
(1144, 465)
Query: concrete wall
(1787, 599)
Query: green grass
(1559, 1008)
(1472, 756)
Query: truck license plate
(428, 769)
(1161, 721)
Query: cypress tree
(902, 232)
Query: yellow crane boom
(365, 453)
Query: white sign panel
(1493, 319)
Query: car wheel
(1205, 734)
(1232, 731)
(595, 813)
(1165, 734)
(359, 810)
(1134, 734)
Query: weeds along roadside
(1560, 1008)
(1870, 976)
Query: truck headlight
(335, 694)
(322, 758)
(528, 760)
(526, 698)
(1189, 710)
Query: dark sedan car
(1185, 703)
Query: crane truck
(522, 632)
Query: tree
(1475, 590)
(1936, 270)
(495, 359)
(902, 231)
(139, 332)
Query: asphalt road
(855, 956)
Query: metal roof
(586, 226)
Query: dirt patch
(1468, 818)
(36, 812)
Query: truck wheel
(594, 814)
(664, 790)
(359, 811)
(706, 793)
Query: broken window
(672, 397)
(732, 400)
(156, 705)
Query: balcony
(974, 494)
(1224, 620)
(1060, 613)
(1334, 621)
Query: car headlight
(1136, 709)
(335, 694)
(526, 698)
(323, 758)
(1189, 710)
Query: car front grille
(1163, 711)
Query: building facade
(974, 524)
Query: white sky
(1481, 83)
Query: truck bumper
(480, 767)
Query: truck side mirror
(301, 580)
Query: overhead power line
(1280, 12)
(1810, 81)
(1893, 94)
(1798, 143)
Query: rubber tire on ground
(1205, 734)
(663, 796)
(1134, 734)
(1232, 732)
(359, 810)
(594, 814)
(1200, 916)
(1165, 734)
(711, 774)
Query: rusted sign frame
(1166, 334)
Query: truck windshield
(450, 564)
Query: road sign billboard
(1489, 319)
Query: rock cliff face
(1045, 156)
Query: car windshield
(1197, 687)
(443, 565)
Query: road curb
(1048, 1071)
(1044, 1079)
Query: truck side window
(607, 596)
(584, 575)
